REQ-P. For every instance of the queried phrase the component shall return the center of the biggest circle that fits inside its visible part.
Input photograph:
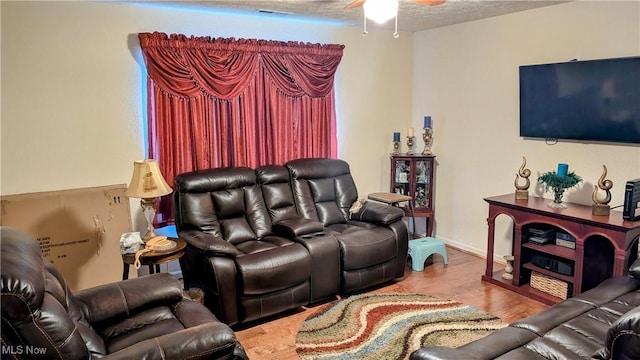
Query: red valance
(224, 67)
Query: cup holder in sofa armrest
(291, 228)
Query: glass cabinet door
(403, 177)
(413, 176)
(423, 177)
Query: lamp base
(148, 236)
(149, 212)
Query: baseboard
(472, 250)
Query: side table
(394, 199)
(154, 258)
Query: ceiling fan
(421, 2)
(381, 11)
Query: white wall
(73, 90)
(466, 77)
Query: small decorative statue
(522, 191)
(601, 207)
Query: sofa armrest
(378, 213)
(634, 270)
(623, 337)
(441, 353)
(291, 228)
(213, 340)
(110, 300)
(208, 244)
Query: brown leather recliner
(143, 318)
(247, 272)
(323, 249)
(373, 241)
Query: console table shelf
(566, 278)
(560, 251)
(605, 246)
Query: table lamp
(147, 184)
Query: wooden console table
(605, 245)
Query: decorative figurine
(522, 191)
(601, 207)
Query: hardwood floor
(459, 280)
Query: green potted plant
(558, 183)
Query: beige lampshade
(147, 181)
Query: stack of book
(565, 240)
(541, 236)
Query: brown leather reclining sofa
(262, 241)
(602, 323)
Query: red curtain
(215, 102)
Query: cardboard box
(78, 230)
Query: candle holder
(508, 269)
(427, 137)
(558, 183)
(410, 144)
(396, 147)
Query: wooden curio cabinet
(413, 175)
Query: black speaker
(631, 209)
(557, 266)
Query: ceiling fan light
(380, 11)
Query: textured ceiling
(411, 16)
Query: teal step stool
(421, 249)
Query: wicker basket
(549, 285)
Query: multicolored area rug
(389, 326)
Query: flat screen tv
(594, 100)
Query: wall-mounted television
(594, 100)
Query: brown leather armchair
(143, 318)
